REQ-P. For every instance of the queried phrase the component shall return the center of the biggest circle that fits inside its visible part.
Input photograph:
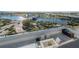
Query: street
(16, 40)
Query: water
(54, 20)
(12, 17)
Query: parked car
(68, 33)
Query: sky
(39, 5)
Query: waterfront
(42, 28)
(54, 20)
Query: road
(74, 44)
(25, 38)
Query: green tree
(27, 25)
(4, 22)
(11, 31)
(26, 22)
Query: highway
(25, 38)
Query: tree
(4, 22)
(11, 31)
(27, 24)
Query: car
(68, 33)
(34, 18)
